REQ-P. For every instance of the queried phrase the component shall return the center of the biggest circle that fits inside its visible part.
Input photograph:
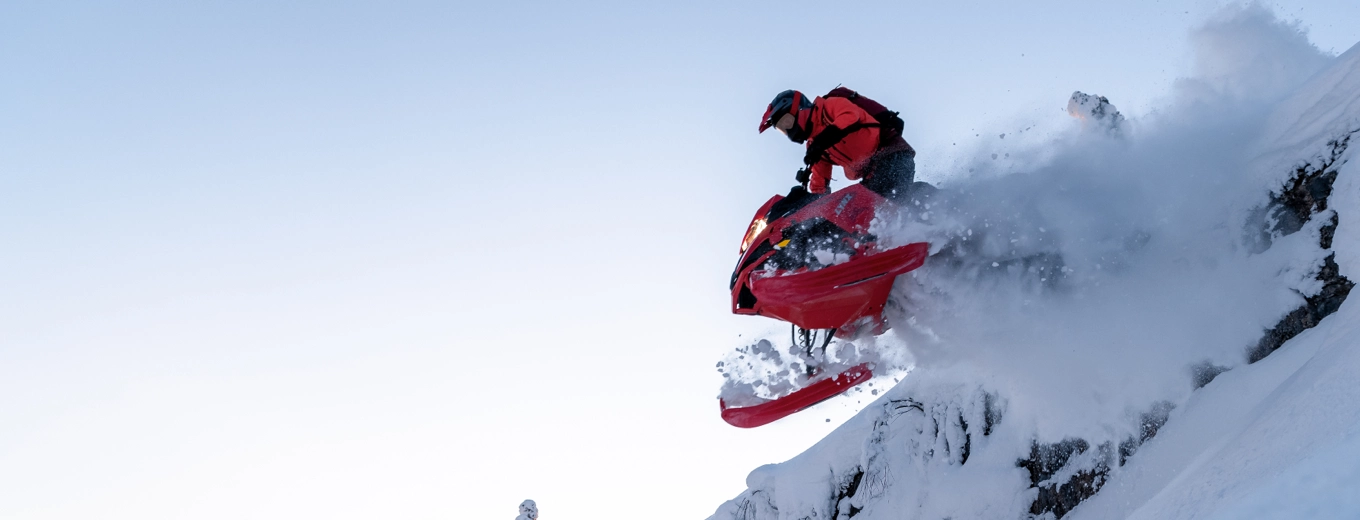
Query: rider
(839, 132)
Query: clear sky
(428, 259)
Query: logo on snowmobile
(841, 207)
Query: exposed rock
(1301, 199)
(1067, 472)
(1096, 113)
(1305, 193)
(1204, 373)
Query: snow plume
(1077, 297)
(1092, 278)
(1245, 52)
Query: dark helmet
(785, 103)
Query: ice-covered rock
(528, 510)
(1096, 113)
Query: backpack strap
(825, 140)
(857, 126)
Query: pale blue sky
(428, 259)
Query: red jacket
(854, 151)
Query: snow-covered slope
(1279, 438)
(1117, 380)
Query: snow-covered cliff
(1189, 353)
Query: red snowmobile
(811, 261)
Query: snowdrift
(1141, 318)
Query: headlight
(756, 227)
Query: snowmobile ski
(773, 410)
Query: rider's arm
(820, 182)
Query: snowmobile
(810, 260)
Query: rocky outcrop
(1302, 199)
(1068, 472)
(909, 437)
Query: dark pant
(890, 174)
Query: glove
(823, 142)
(803, 175)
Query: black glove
(823, 142)
(803, 176)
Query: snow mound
(528, 510)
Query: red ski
(771, 411)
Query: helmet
(789, 102)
